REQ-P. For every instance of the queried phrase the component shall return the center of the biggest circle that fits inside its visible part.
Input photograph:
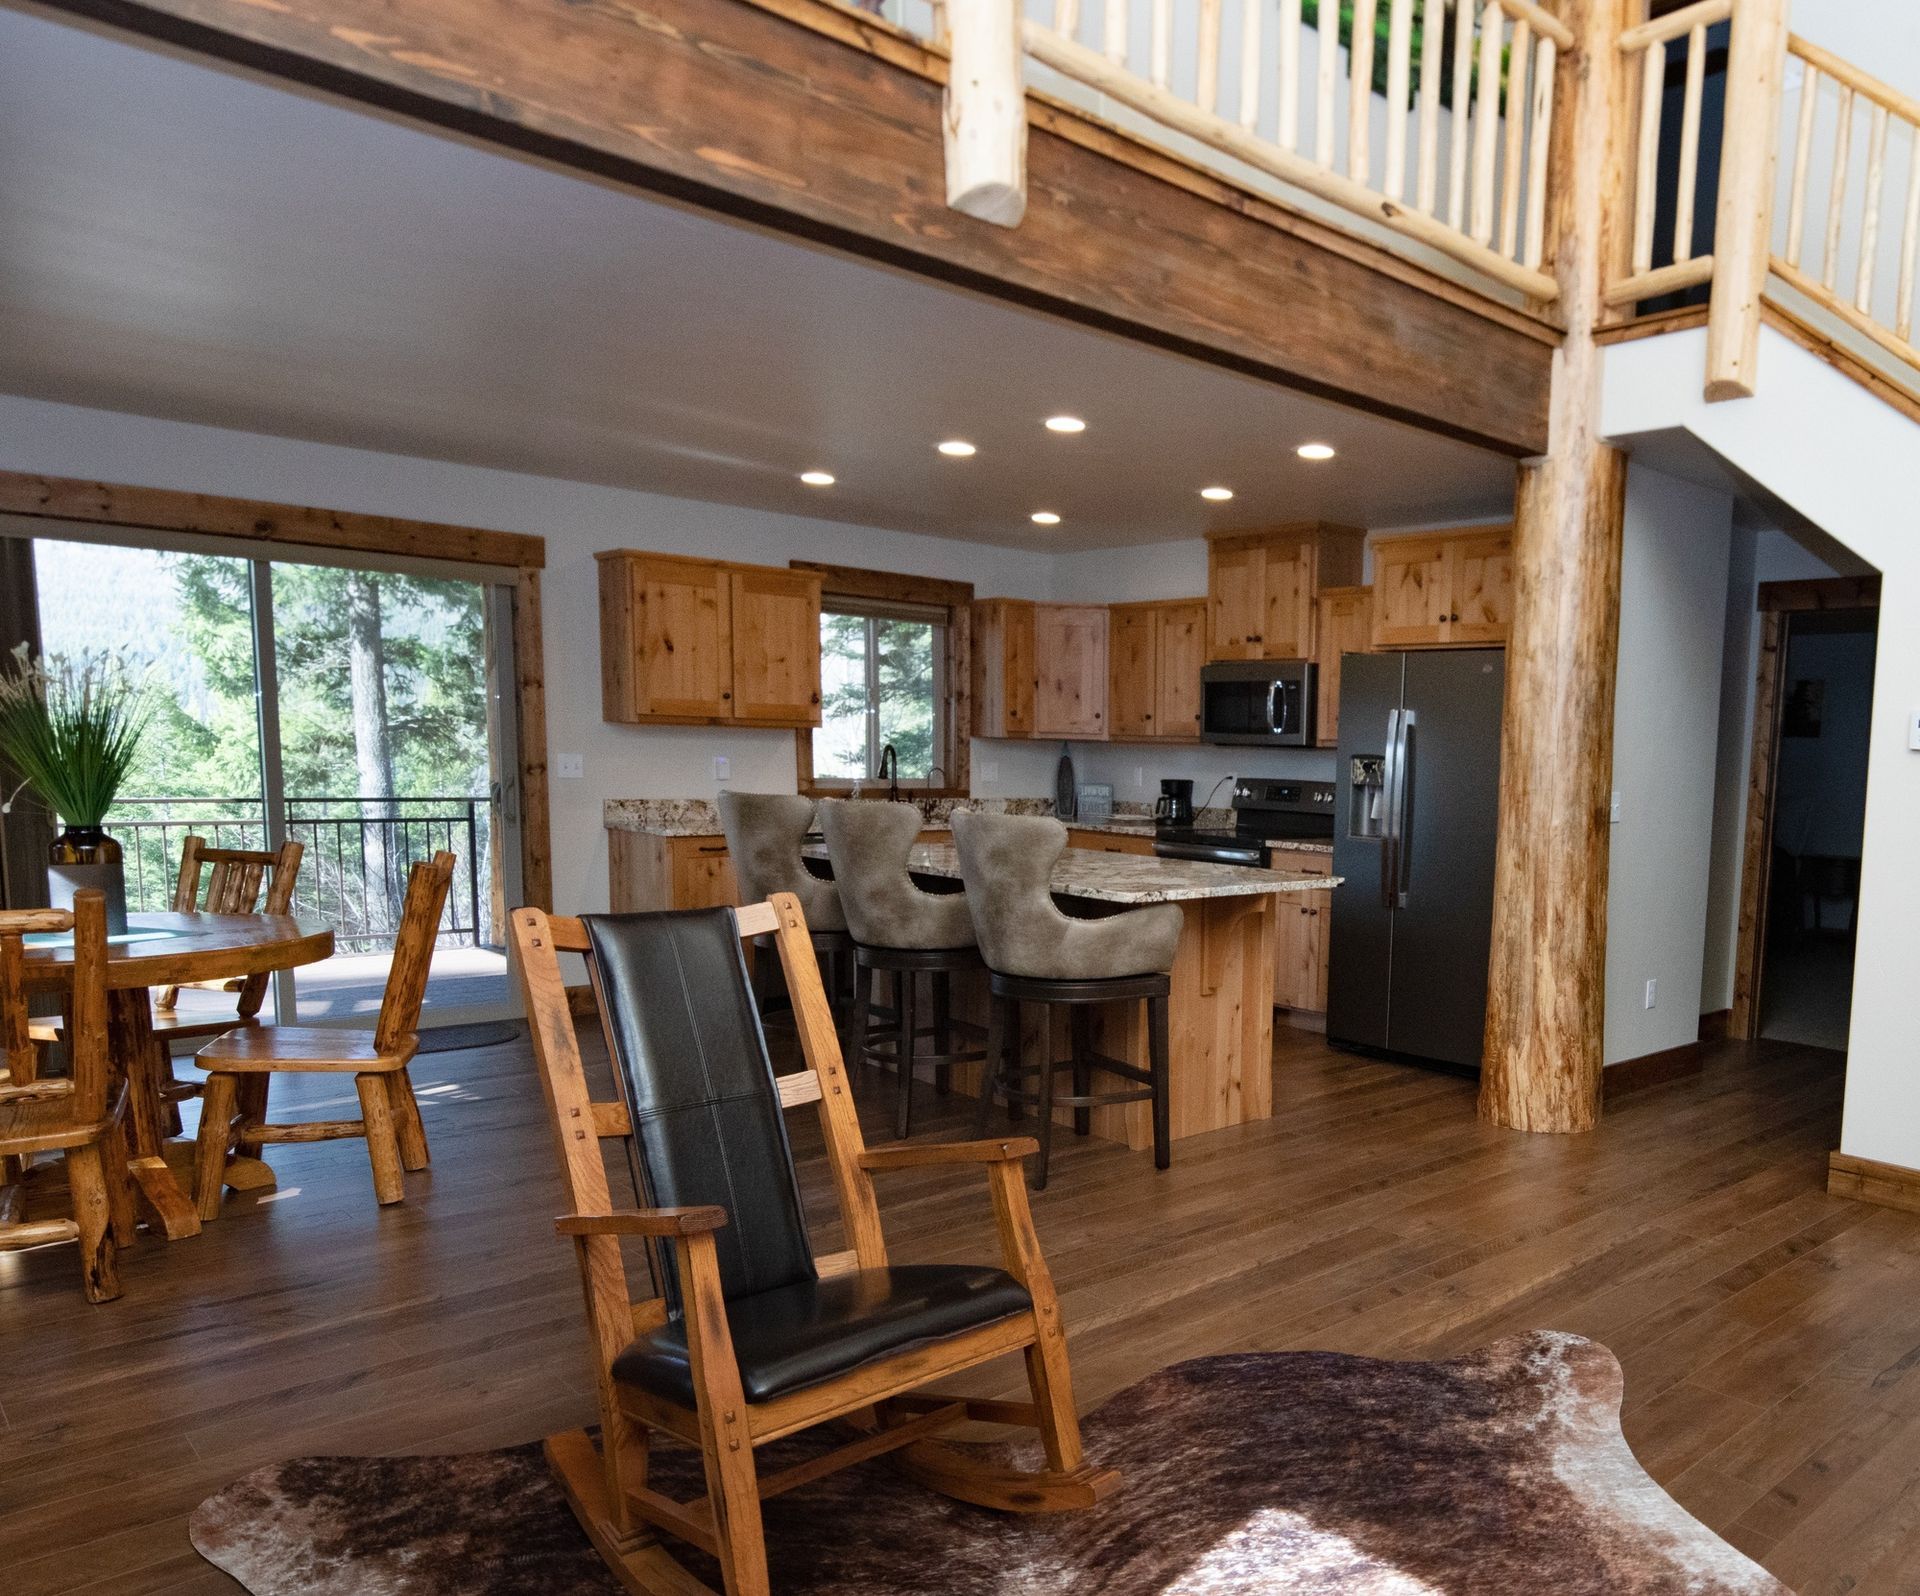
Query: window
(883, 683)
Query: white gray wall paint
(1673, 572)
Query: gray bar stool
(1037, 954)
(903, 929)
(765, 832)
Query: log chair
(233, 1119)
(745, 1344)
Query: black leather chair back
(694, 1069)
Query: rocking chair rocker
(752, 1336)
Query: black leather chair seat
(795, 1336)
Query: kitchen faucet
(889, 771)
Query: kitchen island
(1220, 1009)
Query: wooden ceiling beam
(837, 139)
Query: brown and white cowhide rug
(1503, 1473)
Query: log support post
(985, 112)
(1546, 987)
(1743, 220)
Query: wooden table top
(193, 947)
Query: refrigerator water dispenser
(1366, 796)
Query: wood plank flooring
(1770, 1334)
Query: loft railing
(1453, 155)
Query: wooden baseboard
(1714, 1026)
(1868, 1181)
(1652, 1069)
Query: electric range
(1265, 809)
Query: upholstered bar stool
(1037, 954)
(903, 929)
(765, 833)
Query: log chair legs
(383, 1139)
(233, 1121)
(406, 1120)
(87, 1185)
(218, 1099)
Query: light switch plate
(570, 767)
(1653, 992)
(1913, 730)
(1613, 811)
(722, 768)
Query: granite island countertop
(1129, 878)
(697, 817)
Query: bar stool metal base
(833, 950)
(894, 1042)
(1004, 1074)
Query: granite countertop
(697, 817)
(1130, 878)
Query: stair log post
(985, 112)
(1743, 217)
(1546, 986)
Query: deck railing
(1453, 155)
(353, 874)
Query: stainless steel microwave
(1266, 701)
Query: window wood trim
(850, 581)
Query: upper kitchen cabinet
(1003, 668)
(1261, 587)
(1155, 655)
(1453, 588)
(1070, 671)
(706, 642)
(1345, 627)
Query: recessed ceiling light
(817, 479)
(1218, 495)
(957, 447)
(1065, 424)
(1315, 451)
(1045, 518)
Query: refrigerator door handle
(1403, 819)
(1390, 805)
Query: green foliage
(71, 727)
(903, 663)
(1382, 23)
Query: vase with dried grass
(70, 726)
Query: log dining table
(173, 949)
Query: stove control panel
(1281, 796)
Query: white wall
(576, 519)
(1673, 577)
(1846, 462)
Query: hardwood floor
(1770, 1333)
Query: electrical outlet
(1613, 814)
(570, 767)
(1913, 731)
(1653, 992)
(722, 768)
(1139, 775)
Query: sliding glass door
(360, 711)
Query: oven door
(1267, 702)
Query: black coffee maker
(1175, 804)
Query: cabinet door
(776, 647)
(1180, 650)
(1292, 952)
(703, 874)
(1070, 670)
(1313, 985)
(1287, 631)
(1132, 706)
(1346, 627)
(1411, 604)
(1236, 598)
(1482, 588)
(680, 664)
(1108, 842)
(1002, 670)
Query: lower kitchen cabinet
(1301, 935)
(1109, 841)
(652, 872)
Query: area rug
(1502, 1473)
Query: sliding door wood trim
(530, 695)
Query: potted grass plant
(70, 728)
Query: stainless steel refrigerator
(1416, 799)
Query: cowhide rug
(1503, 1473)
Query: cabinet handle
(1454, 616)
(713, 847)
(725, 696)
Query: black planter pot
(85, 856)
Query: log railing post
(1546, 985)
(1743, 222)
(986, 112)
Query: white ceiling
(182, 241)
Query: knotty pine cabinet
(1109, 841)
(1262, 587)
(1443, 589)
(1155, 652)
(707, 642)
(1002, 671)
(647, 871)
(1070, 671)
(1301, 935)
(1345, 627)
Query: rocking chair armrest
(924, 1155)
(667, 1222)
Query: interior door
(1443, 928)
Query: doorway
(357, 709)
(1800, 896)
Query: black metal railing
(354, 872)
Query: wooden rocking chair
(751, 1340)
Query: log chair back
(427, 884)
(86, 1033)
